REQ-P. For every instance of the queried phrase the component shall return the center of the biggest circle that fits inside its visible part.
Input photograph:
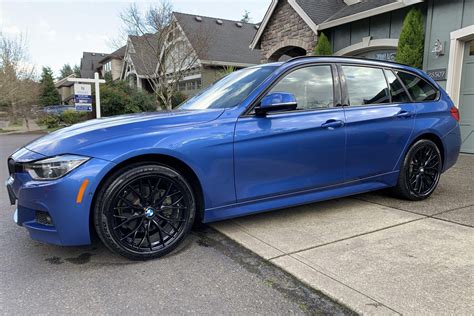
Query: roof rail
(346, 57)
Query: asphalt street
(209, 274)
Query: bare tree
(18, 88)
(169, 55)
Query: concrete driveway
(374, 253)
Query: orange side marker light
(82, 189)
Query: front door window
(312, 86)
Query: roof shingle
(224, 42)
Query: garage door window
(419, 89)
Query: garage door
(466, 104)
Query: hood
(69, 139)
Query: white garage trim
(368, 44)
(456, 57)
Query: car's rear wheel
(144, 211)
(420, 172)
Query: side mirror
(276, 101)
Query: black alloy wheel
(145, 211)
(420, 172)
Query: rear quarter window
(419, 88)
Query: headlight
(53, 168)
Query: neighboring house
(354, 27)
(370, 29)
(66, 90)
(218, 44)
(112, 64)
(89, 63)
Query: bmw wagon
(262, 138)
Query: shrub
(323, 47)
(72, 117)
(411, 42)
(119, 98)
(50, 121)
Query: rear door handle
(332, 124)
(404, 114)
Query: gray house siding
(443, 17)
(382, 26)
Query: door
(379, 120)
(466, 100)
(292, 151)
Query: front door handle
(404, 114)
(332, 124)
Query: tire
(144, 211)
(420, 172)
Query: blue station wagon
(262, 138)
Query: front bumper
(58, 198)
(11, 195)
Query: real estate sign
(83, 97)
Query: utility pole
(95, 81)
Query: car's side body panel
(288, 152)
(376, 137)
(245, 164)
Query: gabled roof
(119, 54)
(324, 14)
(144, 53)
(63, 82)
(319, 11)
(225, 41)
(89, 63)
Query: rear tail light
(455, 113)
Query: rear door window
(397, 92)
(419, 89)
(366, 85)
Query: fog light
(43, 218)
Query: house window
(191, 85)
(182, 86)
(108, 67)
(471, 48)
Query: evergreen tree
(49, 95)
(77, 71)
(65, 71)
(411, 42)
(245, 17)
(323, 47)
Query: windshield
(230, 90)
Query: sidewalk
(376, 254)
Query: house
(66, 90)
(217, 43)
(89, 63)
(112, 64)
(371, 29)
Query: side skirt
(300, 198)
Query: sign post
(82, 96)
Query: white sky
(58, 31)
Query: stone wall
(286, 28)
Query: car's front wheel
(420, 172)
(144, 211)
